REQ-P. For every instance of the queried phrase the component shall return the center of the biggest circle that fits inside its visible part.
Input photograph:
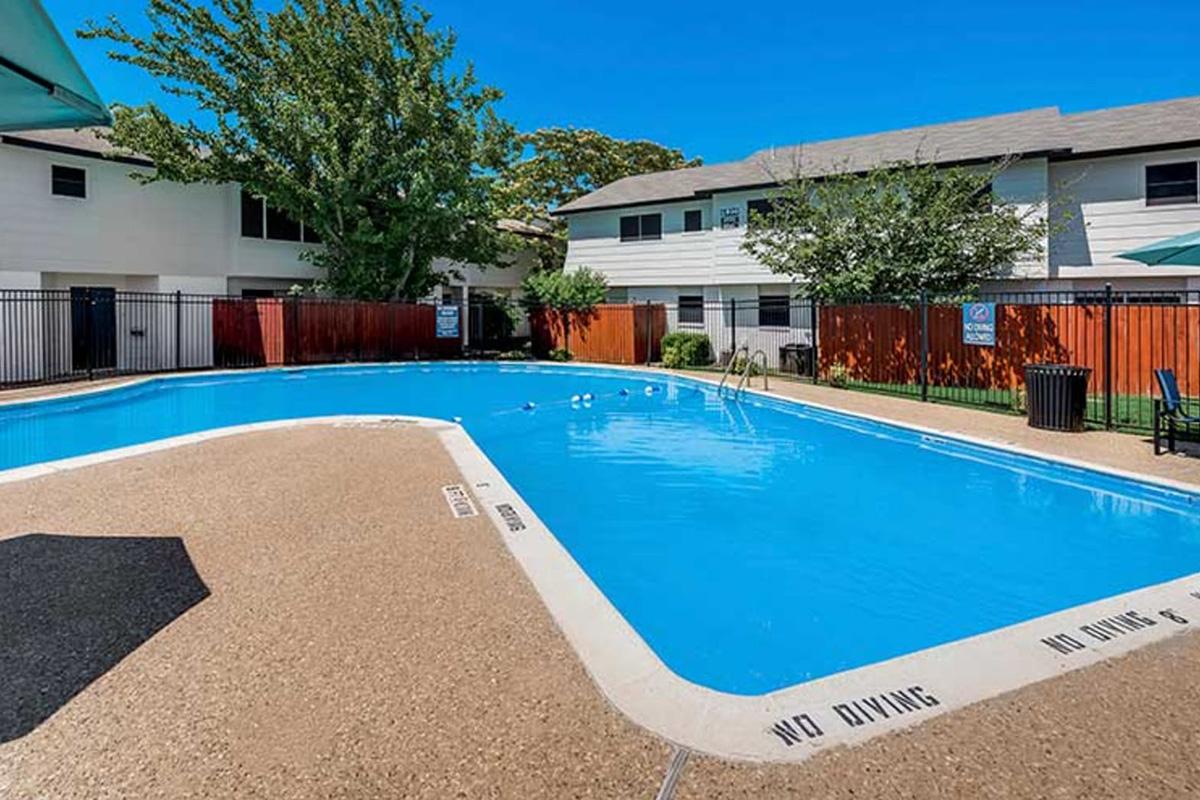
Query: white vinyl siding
(1105, 200)
(125, 227)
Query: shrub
(681, 350)
(838, 375)
(1017, 399)
(514, 355)
(560, 354)
(739, 367)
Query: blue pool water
(753, 545)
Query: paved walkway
(358, 641)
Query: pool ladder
(744, 381)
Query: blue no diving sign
(979, 324)
(447, 322)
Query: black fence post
(924, 346)
(815, 308)
(178, 327)
(89, 308)
(1108, 366)
(732, 327)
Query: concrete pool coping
(792, 723)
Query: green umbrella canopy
(41, 83)
(1181, 251)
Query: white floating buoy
(530, 406)
(649, 390)
(587, 398)
(456, 420)
(575, 398)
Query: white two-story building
(71, 215)
(75, 224)
(1124, 177)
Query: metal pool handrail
(749, 366)
(729, 367)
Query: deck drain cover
(460, 501)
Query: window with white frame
(68, 181)
(691, 309)
(1171, 184)
(693, 220)
(761, 207)
(773, 310)
(641, 227)
(261, 221)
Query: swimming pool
(752, 545)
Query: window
(692, 221)
(773, 310)
(261, 221)
(1168, 184)
(252, 215)
(762, 207)
(258, 294)
(281, 227)
(68, 181)
(631, 229)
(641, 228)
(691, 309)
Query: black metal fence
(49, 336)
(779, 333)
(916, 347)
(906, 346)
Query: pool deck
(361, 641)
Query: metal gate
(93, 329)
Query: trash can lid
(1057, 368)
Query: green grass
(1132, 413)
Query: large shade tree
(895, 230)
(345, 114)
(560, 164)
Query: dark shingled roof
(1041, 131)
(82, 140)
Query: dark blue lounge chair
(1169, 409)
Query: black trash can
(796, 359)
(1056, 396)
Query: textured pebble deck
(361, 642)
(358, 641)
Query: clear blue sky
(723, 79)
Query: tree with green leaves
(563, 294)
(895, 230)
(344, 114)
(561, 164)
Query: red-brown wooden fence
(271, 331)
(881, 344)
(615, 334)
(249, 331)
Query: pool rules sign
(447, 322)
(979, 324)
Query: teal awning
(41, 83)
(1180, 251)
